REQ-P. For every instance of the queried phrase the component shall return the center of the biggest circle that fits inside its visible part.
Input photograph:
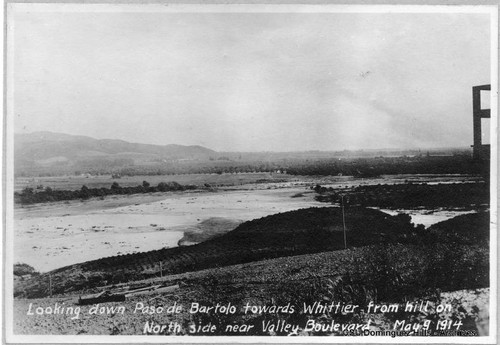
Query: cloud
(252, 81)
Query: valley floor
(55, 235)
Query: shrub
(21, 269)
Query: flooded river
(49, 236)
(54, 240)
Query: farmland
(72, 182)
(235, 180)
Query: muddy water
(426, 217)
(52, 241)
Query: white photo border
(7, 139)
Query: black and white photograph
(228, 173)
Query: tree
(145, 184)
(21, 269)
(85, 192)
(162, 187)
(28, 191)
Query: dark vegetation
(22, 269)
(325, 166)
(31, 196)
(451, 255)
(436, 260)
(359, 167)
(410, 195)
(463, 230)
(370, 167)
(391, 273)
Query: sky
(251, 81)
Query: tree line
(360, 167)
(30, 196)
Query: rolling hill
(46, 149)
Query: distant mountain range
(54, 154)
(48, 147)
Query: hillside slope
(465, 229)
(291, 233)
(47, 148)
(392, 273)
(303, 231)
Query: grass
(381, 273)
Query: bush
(29, 196)
(21, 269)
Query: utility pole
(343, 221)
(50, 285)
(161, 270)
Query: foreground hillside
(390, 273)
(291, 233)
(447, 264)
(465, 229)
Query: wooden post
(343, 222)
(50, 285)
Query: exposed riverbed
(53, 235)
(54, 240)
